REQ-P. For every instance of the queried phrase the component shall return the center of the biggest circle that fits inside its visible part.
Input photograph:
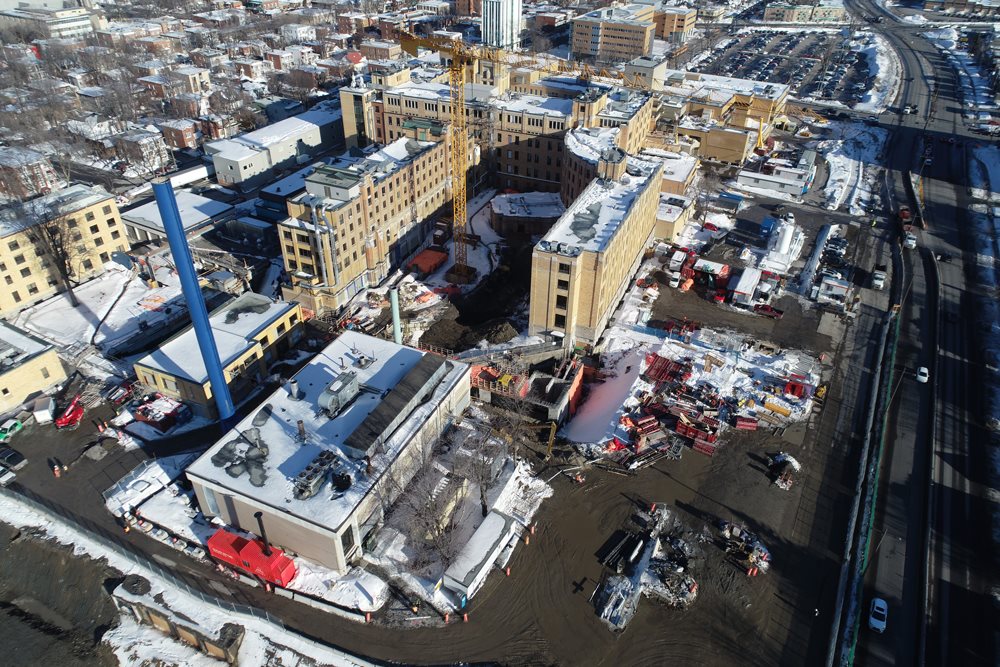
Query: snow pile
(984, 173)
(697, 233)
(916, 19)
(883, 64)
(261, 635)
(853, 153)
(145, 481)
(355, 590)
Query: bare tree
(59, 239)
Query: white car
(879, 615)
(923, 375)
(909, 241)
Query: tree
(58, 238)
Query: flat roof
(529, 205)
(380, 367)
(597, 214)
(18, 346)
(20, 216)
(195, 211)
(233, 326)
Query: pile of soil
(448, 333)
(54, 607)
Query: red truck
(905, 218)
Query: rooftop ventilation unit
(310, 481)
(339, 393)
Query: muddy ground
(53, 607)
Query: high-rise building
(502, 23)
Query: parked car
(768, 311)
(831, 273)
(12, 459)
(909, 241)
(878, 616)
(923, 375)
(6, 476)
(9, 428)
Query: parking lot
(818, 65)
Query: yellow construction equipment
(461, 57)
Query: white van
(675, 279)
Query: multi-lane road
(930, 545)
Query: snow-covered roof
(17, 346)
(322, 115)
(195, 211)
(234, 327)
(379, 367)
(535, 104)
(588, 143)
(597, 214)
(676, 166)
(529, 205)
(76, 197)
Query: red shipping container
(248, 555)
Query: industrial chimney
(263, 533)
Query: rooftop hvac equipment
(310, 481)
(339, 393)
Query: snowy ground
(140, 647)
(853, 154)
(984, 173)
(356, 590)
(695, 235)
(977, 97)
(883, 64)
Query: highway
(930, 463)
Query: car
(923, 375)
(9, 428)
(675, 279)
(6, 476)
(831, 273)
(879, 615)
(768, 311)
(73, 414)
(909, 241)
(12, 459)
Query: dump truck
(879, 276)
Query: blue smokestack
(167, 204)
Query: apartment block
(780, 12)
(374, 49)
(674, 24)
(582, 267)
(614, 34)
(87, 217)
(361, 218)
(25, 173)
(501, 26)
(57, 23)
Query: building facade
(501, 25)
(360, 218)
(85, 218)
(28, 367)
(616, 34)
(582, 267)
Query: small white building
(144, 223)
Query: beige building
(780, 12)
(582, 267)
(251, 333)
(674, 24)
(85, 217)
(361, 218)
(380, 50)
(28, 367)
(614, 34)
(329, 453)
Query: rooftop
(195, 211)
(284, 130)
(357, 385)
(597, 214)
(18, 346)
(529, 205)
(233, 326)
(20, 216)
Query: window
(13, 245)
(16, 297)
(564, 268)
(347, 541)
(87, 264)
(105, 257)
(98, 241)
(71, 222)
(106, 210)
(90, 216)
(45, 373)
(281, 328)
(19, 259)
(10, 281)
(94, 229)
(77, 236)
(560, 301)
(25, 272)
(560, 322)
(116, 234)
